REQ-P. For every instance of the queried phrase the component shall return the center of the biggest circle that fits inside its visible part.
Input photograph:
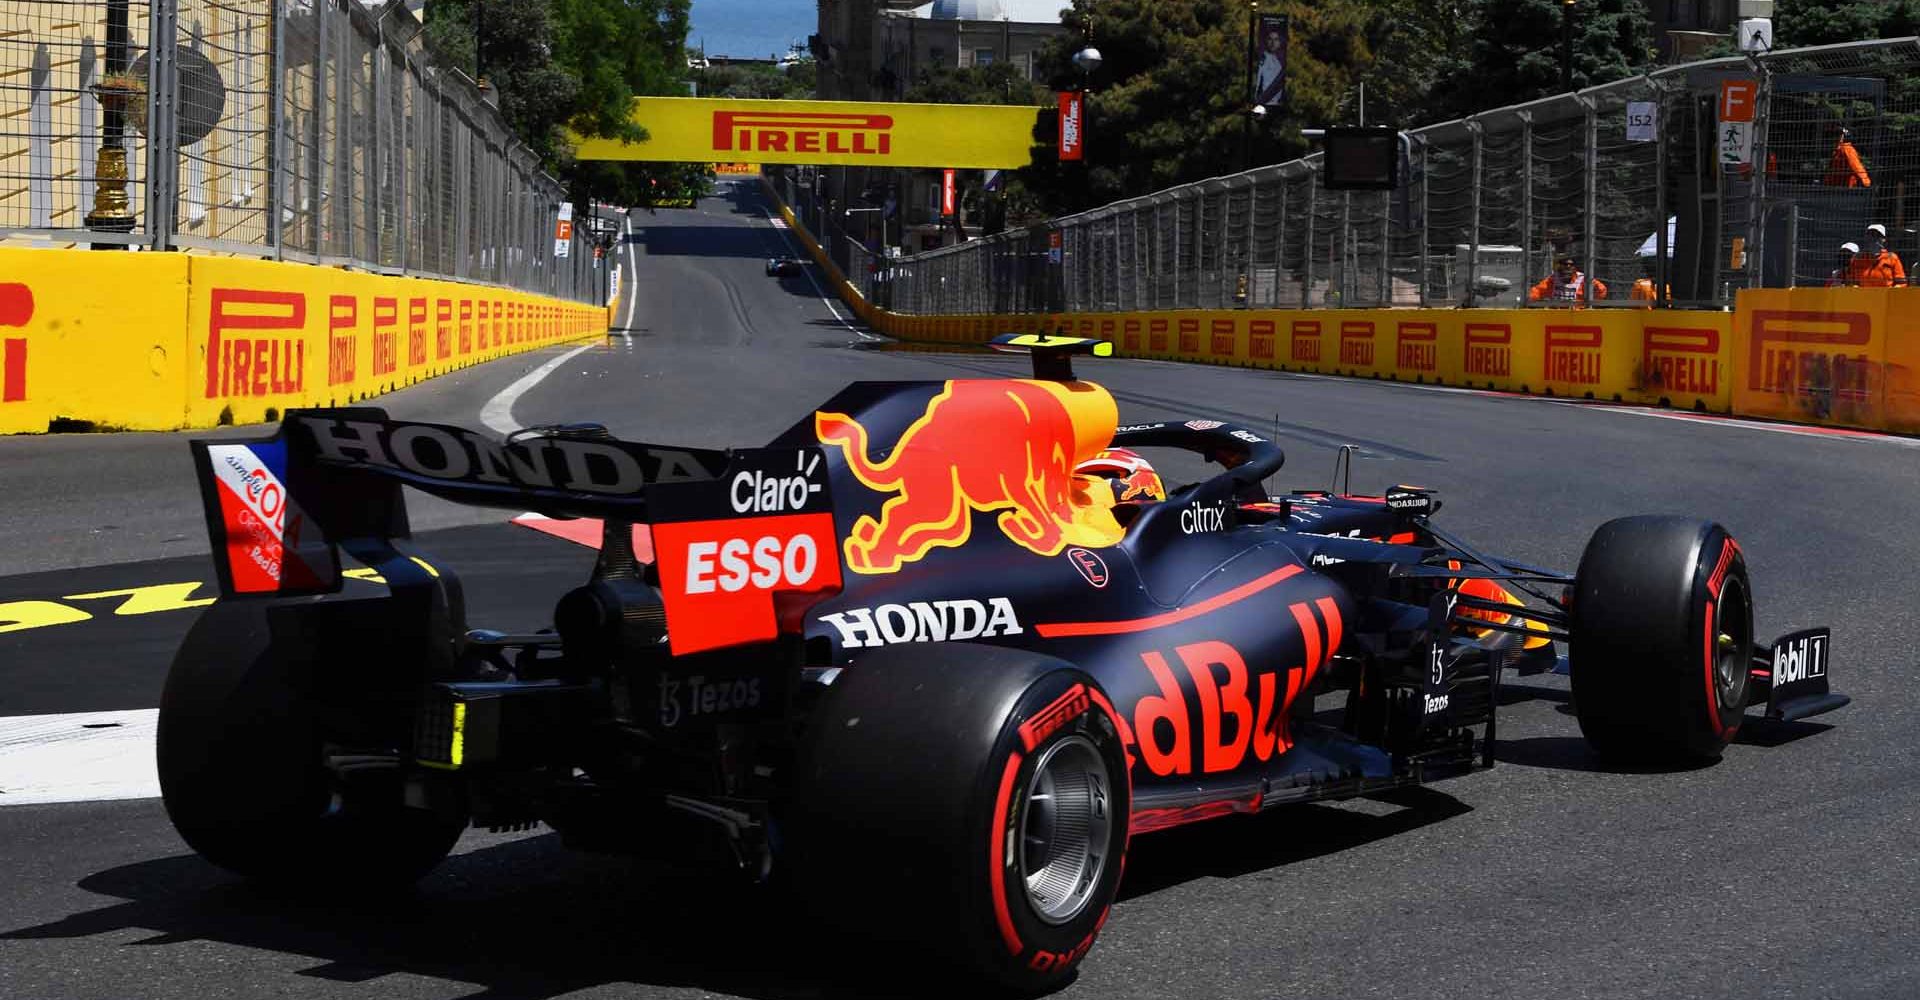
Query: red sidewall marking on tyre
(998, 856)
(1713, 691)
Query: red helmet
(1130, 476)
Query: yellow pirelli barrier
(1836, 356)
(1669, 358)
(162, 341)
(95, 337)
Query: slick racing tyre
(1662, 628)
(242, 737)
(965, 800)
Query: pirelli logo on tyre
(1489, 350)
(1573, 354)
(1221, 338)
(1189, 336)
(1260, 338)
(1305, 344)
(1680, 360)
(1356, 343)
(1801, 352)
(1417, 347)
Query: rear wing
(731, 528)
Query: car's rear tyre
(967, 801)
(240, 755)
(1662, 626)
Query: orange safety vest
(1882, 270)
(1845, 168)
(1551, 287)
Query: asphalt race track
(1789, 869)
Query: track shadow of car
(1242, 845)
(530, 919)
(1571, 753)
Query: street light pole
(1566, 44)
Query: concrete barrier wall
(151, 341)
(1845, 357)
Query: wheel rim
(1068, 825)
(1733, 637)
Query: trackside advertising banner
(714, 130)
(164, 341)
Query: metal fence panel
(1491, 202)
(312, 130)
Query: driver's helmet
(1127, 476)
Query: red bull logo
(1222, 338)
(16, 309)
(1260, 337)
(1801, 353)
(1356, 343)
(1489, 350)
(1417, 347)
(802, 132)
(982, 445)
(1189, 336)
(1681, 360)
(1306, 341)
(1573, 354)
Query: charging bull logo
(982, 445)
(16, 308)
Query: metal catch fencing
(306, 130)
(1489, 203)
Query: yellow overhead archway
(715, 130)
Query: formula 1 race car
(930, 658)
(783, 266)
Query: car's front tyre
(1662, 633)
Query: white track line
(632, 285)
(825, 299)
(81, 757)
(498, 413)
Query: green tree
(573, 65)
(757, 82)
(1515, 52)
(1823, 22)
(1169, 103)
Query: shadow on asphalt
(530, 919)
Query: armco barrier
(163, 341)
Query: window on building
(983, 57)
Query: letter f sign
(1738, 99)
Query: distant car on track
(931, 657)
(783, 266)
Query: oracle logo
(802, 132)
